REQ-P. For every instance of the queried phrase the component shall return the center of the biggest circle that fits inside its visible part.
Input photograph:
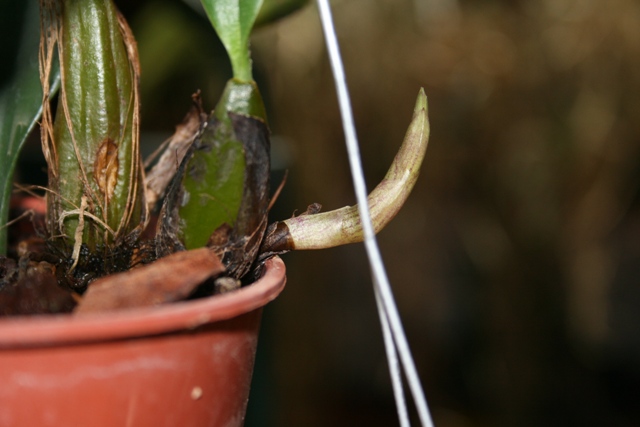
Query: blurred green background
(516, 260)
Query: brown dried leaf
(105, 168)
(173, 151)
(169, 279)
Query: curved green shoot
(215, 176)
(224, 188)
(233, 21)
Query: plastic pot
(183, 364)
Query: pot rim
(48, 330)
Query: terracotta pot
(183, 364)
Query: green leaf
(212, 183)
(20, 107)
(233, 21)
(220, 195)
(214, 178)
(222, 198)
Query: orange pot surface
(183, 364)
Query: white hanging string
(394, 364)
(393, 332)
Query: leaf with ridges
(20, 109)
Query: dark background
(515, 262)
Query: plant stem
(241, 65)
(92, 147)
(233, 21)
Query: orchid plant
(208, 189)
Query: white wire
(388, 312)
(394, 365)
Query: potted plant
(117, 351)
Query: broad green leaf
(20, 106)
(233, 21)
